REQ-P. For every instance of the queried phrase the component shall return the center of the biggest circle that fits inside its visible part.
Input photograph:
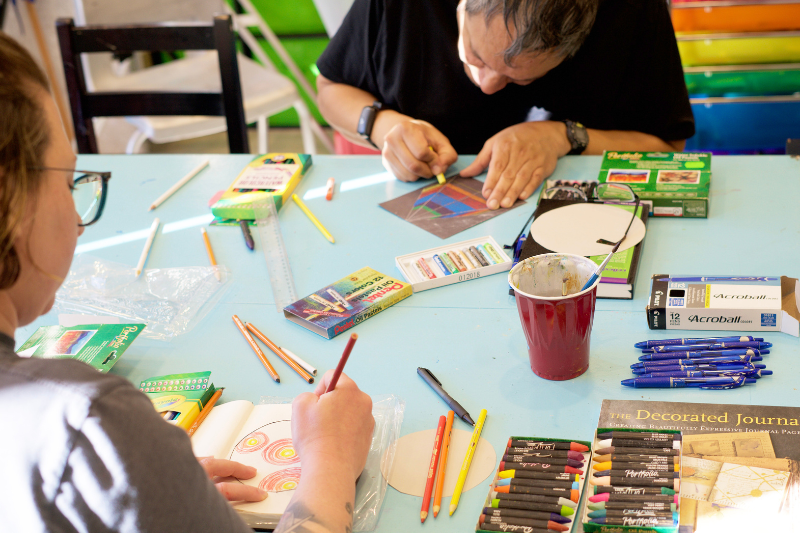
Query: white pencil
(308, 368)
(178, 185)
(147, 246)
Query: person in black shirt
(460, 78)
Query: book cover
(347, 302)
(740, 463)
(179, 398)
(275, 174)
(98, 345)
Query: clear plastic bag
(371, 487)
(171, 301)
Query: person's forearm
(601, 140)
(323, 501)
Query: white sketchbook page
(215, 435)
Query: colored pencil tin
(453, 263)
(639, 499)
(533, 494)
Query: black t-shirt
(627, 75)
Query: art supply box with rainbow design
(347, 302)
(676, 183)
(179, 398)
(275, 174)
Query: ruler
(280, 273)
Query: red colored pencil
(437, 446)
(342, 361)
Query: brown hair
(24, 137)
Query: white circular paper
(575, 229)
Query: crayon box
(724, 303)
(179, 398)
(274, 174)
(677, 183)
(338, 307)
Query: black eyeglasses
(89, 190)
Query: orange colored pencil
(437, 495)
(204, 413)
(437, 446)
(211, 258)
(272, 346)
(256, 349)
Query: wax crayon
(509, 528)
(485, 254)
(457, 261)
(637, 458)
(661, 467)
(544, 453)
(538, 467)
(563, 510)
(621, 450)
(570, 494)
(700, 354)
(492, 252)
(535, 498)
(637, 473)
(610, 497)
(537, 483)
(526, 523)
(441, 265)
(449, 264)
(707, 340)
(524, 474)
(633, 490)
(631, 443)
(478, 256)
(616, 513)
(530, 515)
(467, 261)
(653, 506)
(425, 268)
(638, 435)
(547, 445)
(637, 482)
(633, 521)
(710, 346)
(529, 459)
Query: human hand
(219, 469)
(333, 429)
(519, 158)
(407, 147)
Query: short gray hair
(560, 26)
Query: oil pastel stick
(450, 264)
(637, 474)
(633, 521)
(525, 474)
(535, 498)
(633, 490)
(570, 494)
(655, 506)
(425, 268)
(441, 265)
(538, 467)
(457, 260)
(322, 301)
(631, 443)
(637, 458)
(485, 254)
(547, 445)
(662, 467)
(619, 450)
(527, 459)
(611, 497)
(510, 528)
(635, 435)
(521, 513)
(637, 482)
(563, 510)
(467, 261)
(543, 483)
(632, 512)
(578, 456)
(496, 256)
(522, 524)
(423, 275)
(339, 298)
(478, 257)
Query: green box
(676, 183)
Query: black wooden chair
(159, 37)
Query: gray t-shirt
(84, 451)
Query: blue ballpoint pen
(702, 353)
(699, 360)
(710, 346)
(702, 383)
(681, 368)
(750, 373)
(723, 278)
(684, 342)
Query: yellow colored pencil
(207, 409)
(312, 218)
(462, 476)
(211, 257)
(440, 176)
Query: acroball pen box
(724, 303)
(453, 263)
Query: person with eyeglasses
(84, 451)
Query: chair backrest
(153, 37)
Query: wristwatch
(577, 136)
(367, 120)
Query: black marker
(436, 385)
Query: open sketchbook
(259, 436)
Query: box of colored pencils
(275, 174)
(634, 480)
(537, 486)
(453, 263)
(179, 398)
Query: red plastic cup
(558, 328)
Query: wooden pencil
(256, 349)
(342, 362)
(279, 352)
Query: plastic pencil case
(739, 48)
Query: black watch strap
(577, 136)
(367, 121)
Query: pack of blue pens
(724, 303)
(453, 263)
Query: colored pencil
(307, 367)
(462, 476)
(210, 251)
(329, 192)
(437, 447)
(256, 349)
(279, 352)
(183, 181)
(207, 409)
(147, 246)
(312, 218)
(342, 362)
(248, 237)
(437, 496)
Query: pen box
(637, 518)
(724, 303)
(475, 258)
(526, 505)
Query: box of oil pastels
(634, 481)
(537, 487)
(453, 263)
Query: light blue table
(468, 334)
